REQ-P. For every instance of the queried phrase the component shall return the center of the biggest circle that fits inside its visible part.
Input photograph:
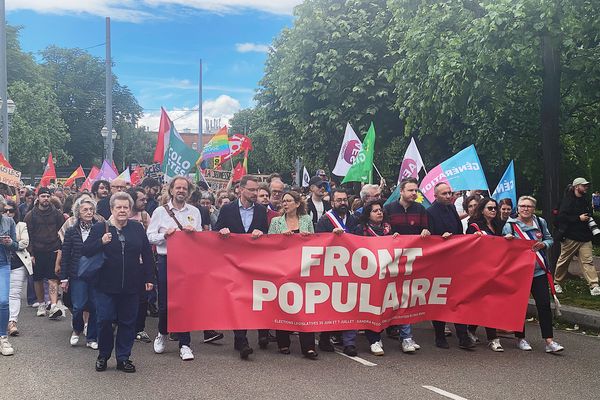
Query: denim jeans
(121, 308)
(4, 290)
(82, 295)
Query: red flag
(87, 185)
(136, 175)
(164, 129)
(238, 172)
(237, 144)
(49, 172)
(78, 173)
(4, 162)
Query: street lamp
(11, 107)
(104, 133)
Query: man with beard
(103, 207)
(245, 216)
(152, 188)
(315, 205)
(100, 190)
(265, 197)
(276, 189)
(339, 221)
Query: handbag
(89, 266)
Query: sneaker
(447, 331)
(142, 337)
(5, 347)
(159, 343)
(407, 346)
(553, 347)
(522, 344)
(12, 329)
(186, 353)
(35, 305)
(413, 343)
(350, 351)
(41, 312)
(55, 312)
(92, 345)
(595, 291)
(495, 345)
(74, 339)
(212, 336)
(377, 348)
(473, 337)
(558, 289)
(84, 329)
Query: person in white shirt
(316, 205)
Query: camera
(593, 227)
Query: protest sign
(9, 176)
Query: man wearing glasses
(103, 207)
(276, 188)
(316, 206)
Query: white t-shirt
(319, 207)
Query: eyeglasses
(491, 208)
(9, 210)
(525, 206)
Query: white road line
(358, 359)
(444, 393)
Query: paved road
(45, 366)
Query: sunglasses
(492, 208)
(9, 210)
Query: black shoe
(212, 336)
(126, 366)
(311, 354)
(101, 364)
(263, 342)
(442, 343)
(326, 346)
(152, 310)
(245, 352)
(466, 343)
(350, 351)
(336, 339)
(174, 337)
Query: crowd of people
(50, 234)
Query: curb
(573, 315)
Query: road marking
(444, 393)
(358, 359)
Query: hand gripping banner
(324, 282)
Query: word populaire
(379, 268)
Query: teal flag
(362, 168)
(179, 158)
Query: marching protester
(484, 220)
(368, 193)
(103, 205)
(152, 188)
(575, 234)
(176, 215)
(128, 264)
(43, 223)
(100, 190)
(407, 217)
(276, 187)
(316, 204)
(294, 220)
(338, 220)
(264, 197)
(82, 292)
(8, 237)
(445, 222)
(20, 267)
(530, 227)
(248, 217)
(469, 205)
(506, 207)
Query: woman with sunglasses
(8, 241)
(20, 267)
(485, 220)
(294, 219)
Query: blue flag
(507, 189)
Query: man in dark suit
(245, 216)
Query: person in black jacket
(576, 236)
(248, 217)
(82, 295)
(315, 205)
(445, 222)
(119, 279)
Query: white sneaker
(595, 291)
(407, 346)
(473, 337)
(35, 305)
(5, 347)
(377, 348)
(413, 343)
(558, 289)
(74, 339)
(523, 345)
(185, 353)
(41, 312)
(55, 312)
(85, 329)
(553, 347)
(92, 345)
(159, 343)
(495, 345)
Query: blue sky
(157, 44)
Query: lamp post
(108, 141)
(11, 108)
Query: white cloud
(140, 10)
(187, 118)
(252, 47)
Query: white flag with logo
(348, 152)
(305, 178)
(412, 163)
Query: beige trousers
(568, 249)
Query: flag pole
(377, 170)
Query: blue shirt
(247, 214)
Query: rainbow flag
(217, 146)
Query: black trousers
(491, 333)
(140, 323)
(541, 294)
(240, 339)
(439, 326)
(307, 340)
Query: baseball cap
(320, 172)
(43, 190)
(315, 180)
(580, 181)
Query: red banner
(325, 282)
